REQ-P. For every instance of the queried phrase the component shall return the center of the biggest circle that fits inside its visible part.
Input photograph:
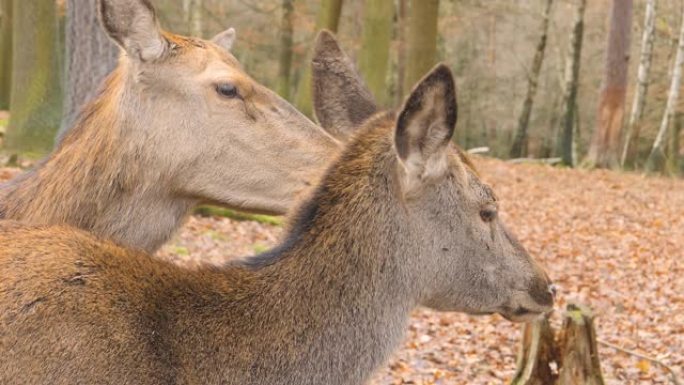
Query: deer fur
(159, 139)
(398, 221)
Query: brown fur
(327, 306)
(159, 140)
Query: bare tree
(633, 125)
(192, 10)
(604, 149)
(328, 18)
(421, 49)
(402, 8)
(6, 49)
(285, 60)
(519, 147)
(571, 85)
(656, 159)
(90, 57)
(36, 105)
(375, 46)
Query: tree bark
(36, 104)
(519, 147)
(629, 150)
(90, 57)
(657, 158)
(536, 355)
(375, 46)
(421, 49)
(579, 355)
(285, 60)
(6, 50)
(571, 80)
(604, 151)
(328, 18)
(401, 54)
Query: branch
(675, 380)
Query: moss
(181, 250)
(259, 248)
(213, 211)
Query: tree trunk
(36, 105)
(401, 54)
(604, 151)
(375, 45)
(90, 57)
(536, 355)
(328, 18)
(571, 80)
(519, 147)
(629, 150)
(6, 50)
(421, 49)
(192, 10)
(672, 166)
(657, 159)
(579, 355)
(285, 60)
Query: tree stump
(573, 353)
(537, 355)
(577, 344)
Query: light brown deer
(398, 221)
(178, 123)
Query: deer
(398, 220)
(178, 123)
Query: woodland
(569, 109)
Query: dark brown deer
(178, 123)
(398, 221)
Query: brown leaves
(613, 241)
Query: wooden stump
(573, 353)
(577, 343)
(537, 355)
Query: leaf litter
(610, 240)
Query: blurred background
(532, 74)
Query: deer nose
(553, 289)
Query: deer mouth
(522, 314)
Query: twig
(675, 380)
(549, 161)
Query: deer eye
(488, 214)
(227, 90)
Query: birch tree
(633, 125)
(375, 46)
(571, 84)
(519, 147)
(285, 59)
(604, 150)
(656, 159)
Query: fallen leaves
(613, 241)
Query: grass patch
(259, 248)
(213, 211)
(181, 250)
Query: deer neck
(342, 298)
(95, 180)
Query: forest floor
(614, 241)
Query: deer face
(466, 258)
(208, 129)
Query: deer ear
(425, 126)
(225, 39)
(341, 99)
(133, 25)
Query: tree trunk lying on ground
(570, 359)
